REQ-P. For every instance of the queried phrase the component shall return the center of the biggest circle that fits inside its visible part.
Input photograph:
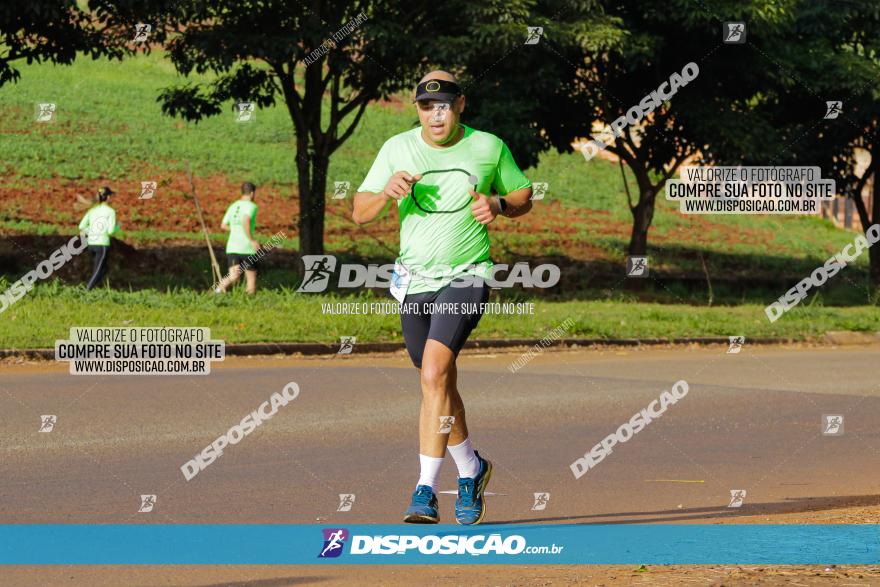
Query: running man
(334, 542)
(99, 223)
(439, 174)
(241, 221)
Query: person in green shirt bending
(98, 224)
(241, 221)
(439, 175)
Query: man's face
(439, 120)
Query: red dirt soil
(55, 202)
(555, 228)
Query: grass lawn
(48, 313)
(110, 129)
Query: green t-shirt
(99, 223)
(438, 247)
(238, 243)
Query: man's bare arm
(367, 206)
(519, 202)
(246, 222)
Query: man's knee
(434, 377)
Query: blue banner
(281, 544)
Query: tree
(597, 60)
(523, 92)
(828, 53)
(54, 31)
(324, 61)
(671, 43)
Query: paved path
(750, 421)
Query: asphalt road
(750, 421)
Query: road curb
(308, 348)
(849, 337)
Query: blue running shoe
(470, 506)
(423, 509)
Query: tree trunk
(874, 256)
(874, 251)
(311, 220)
(311, 157)
(311, 170)
(643, 215)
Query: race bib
(399, 281)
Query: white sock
(467, 462)
(430, 471)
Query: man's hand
(400, 185)
(484, 209)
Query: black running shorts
(447, 315)
(246, 262)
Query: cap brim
(436, 97)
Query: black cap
(437, 89)
(105, 191)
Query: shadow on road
(788, 506)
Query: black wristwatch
(503, 204)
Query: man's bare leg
(231, 279)
(250, 277)
(440, 398)
(439, 402)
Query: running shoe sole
(420, 519)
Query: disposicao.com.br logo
(334, 540)
(319, 269)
